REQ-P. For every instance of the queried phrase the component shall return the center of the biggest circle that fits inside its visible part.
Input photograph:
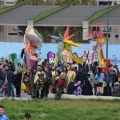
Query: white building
(105, 2)
(10, 2)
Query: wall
(10, 47)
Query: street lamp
(107, 41)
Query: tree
(31, 2)
(49, 2)
(41, 2)
(58, 2)
(88, 2)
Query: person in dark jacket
(87, 88)
(1, 75)
(80, 76)
(107, 90)
(10, 80)
(48, 80)
(18, 83)
(85, 67)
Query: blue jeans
(10, 89)
(3, 91)
(1, 83)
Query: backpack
(116, 88)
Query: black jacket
(10, 76)
(80, 76)
(87, 89)
(107, 91)
(48, 76)
(18, 79)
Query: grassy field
(64, 109)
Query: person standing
(71, 75)
(47, 81)
(10, 81)
(39, 81)
(1, 75)
(18, 82)
(32, 84)
(100, 77)
(2, 116)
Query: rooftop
(75, 15)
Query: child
(2, 116)
(27, 116)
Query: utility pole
(107, 42)
(5, 28)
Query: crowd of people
(78, 79)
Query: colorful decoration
(64, 53)
(13, 58)
(32, 41)
(55, 38)
(76, 59)
(50, 57)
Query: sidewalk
(64, 96)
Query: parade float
(64, 48)
(32, 42)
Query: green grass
(100, 13)
(64, 109)
(48, 13)
(6, 9)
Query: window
(116, 36)
(115, 2)
(105, 35)
(12, 33)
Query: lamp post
(107, 42)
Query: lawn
(64, 109)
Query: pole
(4, 2)
(107, 41)
(23, 70)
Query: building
(10, 2)
(75, 15)
(11, 31)
(105, 2)
(7, 2)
